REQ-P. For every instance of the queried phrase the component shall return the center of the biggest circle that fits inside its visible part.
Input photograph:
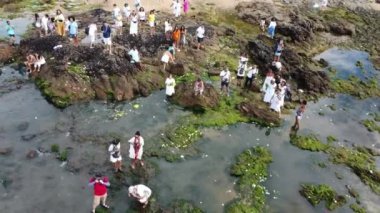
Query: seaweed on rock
(308, 142)
(318, 193)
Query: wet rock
(229, 32)
(323, 62)
(28, 137)
(342, 28)
(73, 166)
(6, 52)
(31, 154)
(23, 126)
(261, 114)
(177, 69)
(185, 96)
(6, 151)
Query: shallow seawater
(28, 122)
(20, 24)
(349, 62)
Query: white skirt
(114, 160)
(151, 24)
(170, 90)
(132, 152)
(133, 28)
(165, 58)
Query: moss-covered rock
(251, 168)
(356, 87)
(318, 193)
(371, 125)
(308, 142)
(357, 209)
(331, 139)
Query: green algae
(315, 194)
(54, 148)
(356, 87)
(371, 125)
(79, 70)
(331, 139)
(338, 14)
(47, 92)
(357, 209)
(251, 167)
(184, 206)
(308, 142)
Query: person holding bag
(136, 149)
(115, 156)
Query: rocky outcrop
(184, 96)
(6, 53)
(258, 113)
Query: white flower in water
(200, 202)
(254, 185)
(222, 204)
(182, 156)
(257, 139)
(35, 117)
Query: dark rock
(32, 154)
(177, 69)
(184, 96)
(23, 126)
(229, 32)
(323, 63)
(6, 151)
(342, 28)
(260, 114)
(73, 166)
(6, 53)
(28, 137)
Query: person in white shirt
(44, 24)
(225, 77)
(170, 86)
(200, 35)
(272, 27)
(115, 11)
(176, 8)
(92, 34)
(168, 29)
(242, 68)
(136, 144)
(135, 57)
(127, 11)
(142, 15)
(115, 156)
(167, 57)
(251, 75)
(140, 192)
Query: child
(262, 24)
(299, 114)
(152, 22)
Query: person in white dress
(170, 86)
(127, 11)
(140, 192)
(136, 144)
(269, 91)
(275, 101)
(133, 30)
(268, 79)
(283, 89)
(166, 58)
(176, 8)
(115, 156)
(44, 24)
(40, 61)
(92, 28)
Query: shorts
(151, 24)
(224, 83)
(72, 36)
(277, 53)
(13, 35)
(240, 77)
(200, 40)
(107, 41)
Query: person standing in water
(272, 28)
(11, 32)
(225, 77)
(136, 144)
(299, 114)
(115, 156)
(170, 86)
(140, 192)
(100, 185)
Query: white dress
(267, 81)
(176, 8)
(141, 191)
(165, 58)
(134, 25)
(132, 148)
(275, 102)
(112, 149)
(269, 92)
(282, 93)
(170, 85)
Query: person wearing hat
(136, 149)
(115, 156)
(100, 185)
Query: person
(176, 36)
(137, 4)
(60, 23)
(299, 114)
(251, 75)
(262, 24)
(241, 68)
(127, 11)
(166, 58)
(11, 32)
(268, 78)
(186, 6)
(135, 57)
(269, 91)
(37, 23)
(100, 185)
(277, 66)
(136, 149)
(199, 87)
(225, 77)
(40, 60)
(275, 102)
(152, 22)
(92, 28)
(176, 8)
(119, 24)
(168, 29)
(170, 86)
(142, 15)
(106, 29)
(115, 156)
(278, 49)
(140, 192)
(115, 11)
(134, 26)
(44, 24)
(73, 30)
(283, 89)
(200, 35)
(272, 27)
(51, 26)
(67, 26)
(183, 41)
(29, 63)
(324, 3)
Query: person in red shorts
(100, 185)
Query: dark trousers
(248, 82)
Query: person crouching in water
(136, 149)
(170, 86)
(299, 114)
(140, 192)
(115, 156)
